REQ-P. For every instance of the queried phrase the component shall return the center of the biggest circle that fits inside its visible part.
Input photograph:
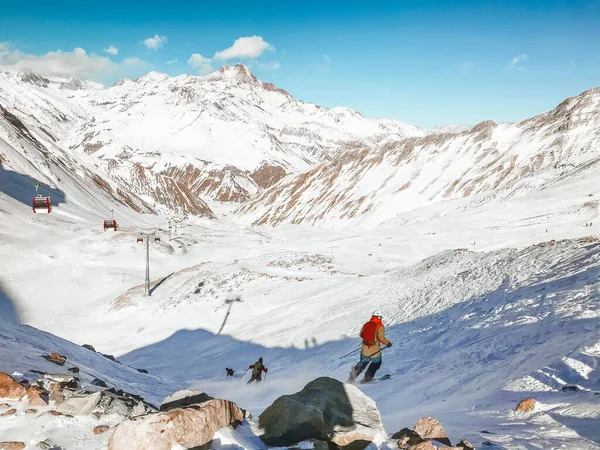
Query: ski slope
(479, 314)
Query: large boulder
(326, 410)
(189, 427)
(9, 388)
(12, 445)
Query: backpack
(369, 333)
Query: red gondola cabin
(110, 224)
(41, 203)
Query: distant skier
(229, 371)
(257, 369)
(372, 333)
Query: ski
(381, 378)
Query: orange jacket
(369, 350)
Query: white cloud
(133, 61)
(77, 63)
(156, 42)
(326, 58)
(172, 61)
(245, 47)
(201, 63)
(515, 63)
(58, 63)
(112, 50)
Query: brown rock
(100, 429)
(4, 405)
(37, 396)
(13, 445)
(464, 444)
(30, 411)
(10, 412)
(190, 427)
(526, 405)
(56, 358)
(56, 393)
(430, 428)
(9, 388)
(425, 445)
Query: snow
(487, 300)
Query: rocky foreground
(326, 413)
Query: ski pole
(379, 351)
(353, 351)
(243, 374)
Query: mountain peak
(153, 76)
(239, 73)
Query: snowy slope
(368, 186)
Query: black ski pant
(374, 364)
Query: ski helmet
(377, 313)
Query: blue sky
(421, 61)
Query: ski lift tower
(146, 237)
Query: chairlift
(140, 239)
(111, 223)
(156, 239)
(41, 202)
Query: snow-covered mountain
(492, 161)
(227, 135)
(36, 118)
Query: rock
(65, 378)
(4, 405)
(47, 445)
(89, 347)
(31, 411)
(37, 396)
(407, 438)
(55, 413)
(327, 410)
(526, 405)
(430, 428)
(111, 357)
(83, 403)
(74, 370)
(184, 398)
(142, 370)
(55, 358)
(570, 388)
(98, 382)
(10, 412)
(13, 445)
(466, 445)
(190, 427)
(425, 445)
(39, 372)
(9, 388)
(100, 429)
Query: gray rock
(184, 398)
(326, 410)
